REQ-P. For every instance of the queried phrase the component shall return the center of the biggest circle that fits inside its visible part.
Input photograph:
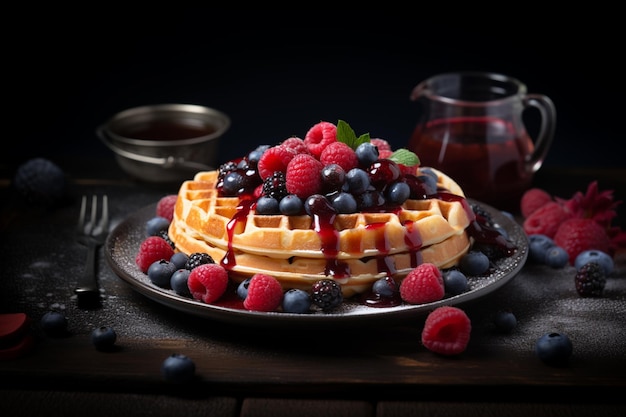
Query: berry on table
(54, 323)
(554, 348)
(532, 200)
(590, 280)
(579, 234)
(40, 181)
(538, 246)
(446, 331)
(178, 368)
(505, 321)
(545, 220)
(604, 259)
(557, 257)
(423, 284)
(103, 338)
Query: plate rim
(398, 314)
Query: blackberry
(590, 280)
(275, 186)
(226, 167)
(326, 294)
(482, 216)
(166, 237)
(198, 258)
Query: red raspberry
(319, 137)
(341, 154)
(264, 293)
(304, 175)
(382, 144)
(208, 282)
(296, 144)
(532, 200)
(384, 154)
(446, 331)
(424, 284)
(545, 220)
(275, 158)
(576, 235)
(165, 206)
(152, 249)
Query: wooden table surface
(379, 370)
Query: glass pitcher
(471, 128)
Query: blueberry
(474, 263)
(397, 192)
(344, 203)
(592, 255)
(296, 301)
(367, 153)
(538, 246)
(179, 259)
(429, 183)
(267, 205)
(54, 323)
(455, 282)
(242, 288)
(156, 224)
(385, 287)
(178, 368)
(290, 205)
(554, 348)
(160, 273)
(357, 181)
(103, 338)
(557, 257)
(255, 155)
(505, 321)
(233, 182)
(178, 282)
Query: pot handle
(166, 162)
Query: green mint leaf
(346, 135)
(405, 157)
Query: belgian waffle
(365, 246)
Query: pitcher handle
(546, 130)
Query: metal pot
(165, 142)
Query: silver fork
(91, 233)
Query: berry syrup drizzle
(324, 216)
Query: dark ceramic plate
(124, 241)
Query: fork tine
(94, 212)
(104, 220)
(81, 218)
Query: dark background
(277, 73)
